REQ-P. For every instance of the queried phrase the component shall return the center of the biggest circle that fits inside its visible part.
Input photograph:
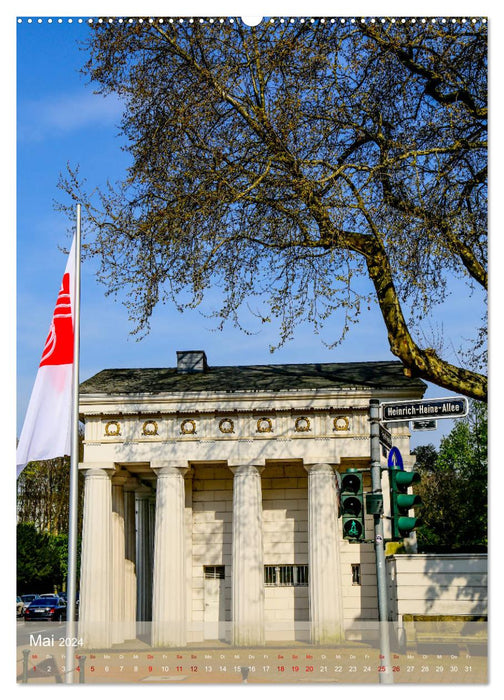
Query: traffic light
(401, 502)
(352, 505)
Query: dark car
(28, 597)
(46, 608)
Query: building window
(356, 580)
(214, 571)
(286, 575)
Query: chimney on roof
(191, 361)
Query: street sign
(455, 407)
(395, 460)
(424, 425)
(385, 437)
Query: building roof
(271, 378)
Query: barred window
(286, 575)
(214, 571)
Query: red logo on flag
(58, 349)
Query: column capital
(95, 474)
(169, 469)
(164, 467)
(246, 468)
(119, 478)
(131, 484)
(97, 467)
(319, 467)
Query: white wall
(212, 522)
(438, 584)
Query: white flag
(46, 431)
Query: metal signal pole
(381, 578)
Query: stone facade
(235, 532)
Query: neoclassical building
(211, 501)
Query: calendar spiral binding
(426, 21)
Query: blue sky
(60, 120)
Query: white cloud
(40, 119)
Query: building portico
(211, 501)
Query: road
(46, 629)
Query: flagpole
(71, 626)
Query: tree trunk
(417, 362)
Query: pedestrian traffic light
(401, 502)
(352, 505)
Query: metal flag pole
(74, 470)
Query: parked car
(19, 606)
(49, 607)
(28, 597)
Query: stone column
(130, 488)
(169, 582)
(143, 554)
(118, 553)
(152, 525)
(95, 597)
(247, 563)
(324, 570)
(130, 587)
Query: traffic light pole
(381, 577)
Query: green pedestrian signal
(401, 502)
(352, 505)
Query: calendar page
(255, 451)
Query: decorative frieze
(243, 425)
(302, 425)
(226, 425)
(188, 427)
(113, 428)
(264, 425)
(341, 423)
(150, 428)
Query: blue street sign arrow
(395, 460)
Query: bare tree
(287, 161)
